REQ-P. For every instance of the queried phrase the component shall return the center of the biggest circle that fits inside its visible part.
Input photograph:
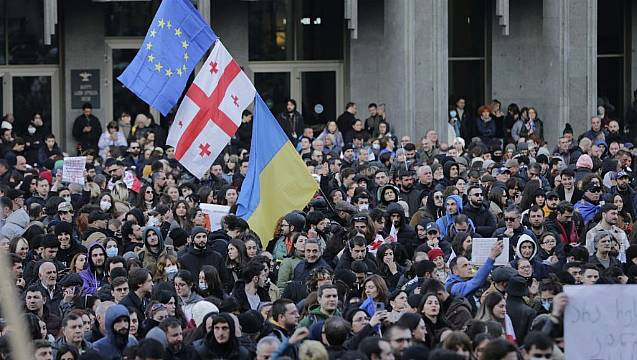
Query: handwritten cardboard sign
(600, 322)
(481, 248)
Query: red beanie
(434, 253)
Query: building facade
(564, 57)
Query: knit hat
(179, 236)
(198, 229)
(584, 161)
(503, 273)
(434, 253)
(251, 321)
(157, 334)
(201, 309)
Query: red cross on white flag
(210, 113)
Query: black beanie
(63, 227)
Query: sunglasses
(510, 219)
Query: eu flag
(176, 39)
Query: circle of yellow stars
(167, 26)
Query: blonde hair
(312, 350)
(120, 192)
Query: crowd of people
(377, 266)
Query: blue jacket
(458, 286)
(446, 221)
(106, 345)
(587, 209)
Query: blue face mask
(203, 286)
(546, 304)
(110, 252)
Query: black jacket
(483, 220)
(521, 316)
(87, 140)
(193, 259)
(239, 293)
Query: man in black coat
(483, 220)
(199, 254)
(87, 128)
(520, 313)
(347, 118)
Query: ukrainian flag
(277, 181)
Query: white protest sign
(214, 214)
(481, 248)
(600, 322)
(73, 169)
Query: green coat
(286, 270)
(316, 315)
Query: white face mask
(31, 130)
(203, 285)
(172, 269)
(105, 205)
(67, 199)
(375, 146)
(363, 207)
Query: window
(32, 94)
(612, 90)
(131, 18)
(468, 37)
(296, 30)
(22, 34)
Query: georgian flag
(210, 113)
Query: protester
(382, 261)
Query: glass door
(274, 88)
(26, 90)
(316, 86)
(318, 97)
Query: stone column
(414, 71)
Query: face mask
(203, 285)
(172, 269)
(546, 304)
(105, 205)
(376, 146)
(110, 252)
(67, 199)
(363, 207)
(31, 130)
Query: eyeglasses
(478, 195)
(510, 218)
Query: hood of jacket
(523, 239)
(89, 259)
(458, 201)
(394, 208)
(381, 191)
(158, 232)
(113, 313)
(446, 168)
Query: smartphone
(380, 306)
